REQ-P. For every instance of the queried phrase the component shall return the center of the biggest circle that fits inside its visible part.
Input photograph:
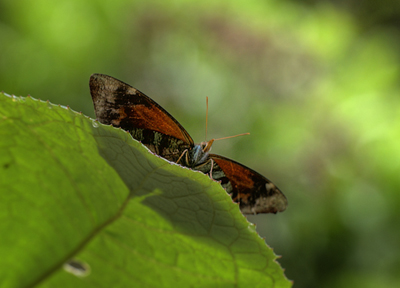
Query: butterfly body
(121, 105)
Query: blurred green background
(316, 83)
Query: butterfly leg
(211, 169)
(183, 153)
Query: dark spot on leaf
(77, 268)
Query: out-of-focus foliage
(317, 87)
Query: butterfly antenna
(206, 116)
(232, 136)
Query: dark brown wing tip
(274, 203)
(95, 76)
(98, 75)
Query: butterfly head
(199, 154)
(206, 146)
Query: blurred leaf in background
(315, 83)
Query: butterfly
(121, 105)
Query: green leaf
(73, 189)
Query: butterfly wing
(121, 105)
(254, 192)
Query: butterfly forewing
(121, 105)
